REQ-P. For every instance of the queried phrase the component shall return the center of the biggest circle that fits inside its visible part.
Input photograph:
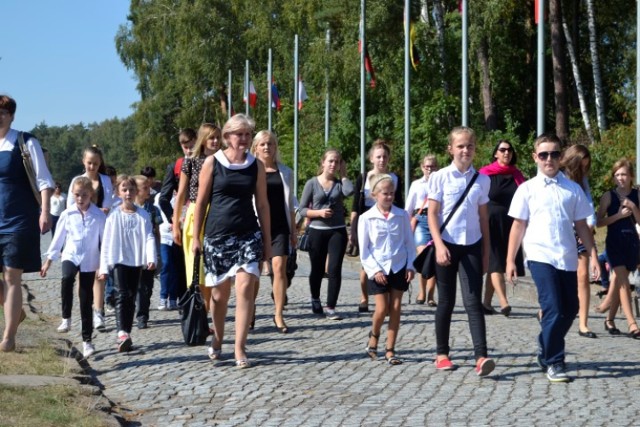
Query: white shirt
(128, 240)
(80, 235)
(107, 189)
(417, 195)
(58, 204)
(165, 228)
(446, 186)
(368, 200)
(551, 206)
(386, 244)
(43, 176)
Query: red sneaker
(444, 365)
(485, 366)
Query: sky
(58, 60)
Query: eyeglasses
(505, 150)
(429, 166)
(544, 155)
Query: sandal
(214, 354)
(635, 334)
(243, 363)
(432, 303)
(610, 327)
(372, 351)
(392, 360)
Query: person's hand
(409, 275)
(443, 256)
(326, 213)
(44, 268)
(151, 266)
(380, 278)
(510, 273)
(44, 222)
(102, 277)
(177, 236)
(343, 169)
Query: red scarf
(496, 169)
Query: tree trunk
(490, 120)
(438, 16)
(576, 77)
(559, 78)
(424, 12)
(595, 64)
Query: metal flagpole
(363, 78)
(229, 95)
(407, 100)
(295, 115)
(327, 104)
(246, 86)
(540, 106)
(465, 67)
(270, 96)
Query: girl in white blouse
(387, 250)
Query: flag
(302, 94)
(253, 95)
(371, 77)
(275, 97)
(413, 50)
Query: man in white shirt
(545, 210)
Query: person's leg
(279, 267)
(12, 307)
(69, 271)
(431, 288)
(336, 248)
(219, 304)
(446, 284)
(379, 313)
(395, 307)
(181, 274)
(85, 294)
(488, 293)
(422, 282)
(317, 255)
(364, 295)
(497, 280)
(622, 283)
(98, 295)
(143, 297)
(166, 272)
(245, 283)
(584, 292)
(126, 283)
(471, 288)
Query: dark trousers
(145, 289)
(334, 243)
(125, 281)
(85, 292)
(168, 274)
(466, 261)
(181, 272)
(558, 299)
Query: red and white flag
(302, 94)
(253, 95)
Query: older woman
(21, 219)
(282, 213)
(505, 178)
(235, 241)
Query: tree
(559, 70)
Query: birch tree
(595, 64)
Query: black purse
(194, 322)
(425, 262)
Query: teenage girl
(128, 245)
(387, 250)
(77, 239)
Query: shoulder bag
(193, 321)
(304, 244)
(425, 262)
(28, 167)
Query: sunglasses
(505, 150)
(544, 155)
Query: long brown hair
(571, 163)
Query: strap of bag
(195, 282)
(28, 166)
(459, 202)
(426, 199)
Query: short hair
(110, 171)
(376, 179)
(206, 131)
(547, 137)
(148, 171)
(8, 104)
(187, 133)
(94, 149)
(84, 182)
(460, 130)
(269, 136)
(514, 156)
(236, 123)
(125, 179)
(623, 163)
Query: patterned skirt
(223, 256)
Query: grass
(41, 352)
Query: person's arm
(584, 233)
(602, 219)
(369, 264)
(516, 235)
(106, 247)
(483, 212)
(181, 196)
(205, 184)
(443, 257)
(57, 242)
(264, 215)
(150, 242)
(166, 192)
(409, 245)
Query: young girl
(387, 250)
(128, 245)
(619, 212)
(78, 236)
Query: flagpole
(465, 67)
(637, 90)
(541, 101)
(295, 115)
(246, 86)
(270, 96)
(229, 95)
(363, 46)
(407, 100)
(327, 104)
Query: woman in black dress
(505, 178)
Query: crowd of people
(227, 207)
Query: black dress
(502, 189)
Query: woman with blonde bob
(235, 240)
(282, 213)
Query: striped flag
(275, 97)
(253, 95)
(302, 94)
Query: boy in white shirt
(545, 209)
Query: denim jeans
(168, 275)
(467, 262)
(558, 299)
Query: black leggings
(467, 261)
(85, 292)
(125, 282)
(145, 290)
(332, 242)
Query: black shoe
(363, 307)
(588, 334)
(489, 311)
(316, 306)
(506, 311)
(142, 324)
(611, 329)
(420, 301)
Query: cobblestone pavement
(319, 374)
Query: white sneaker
(331, 314)
(87, 349)
(164, 305)
(64, 326)
(98, 321)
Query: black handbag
(425, 262)
(304, 244)
(194, 322)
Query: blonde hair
(84, 183)
(379, 143)
(376, 179)
(140, 179)
(126, 179)
(324, 157)
(458, 130)
(236, 123)
(268, 136)
(623, 163)
(206, 131)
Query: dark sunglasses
(505, 150)
(544, 155)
